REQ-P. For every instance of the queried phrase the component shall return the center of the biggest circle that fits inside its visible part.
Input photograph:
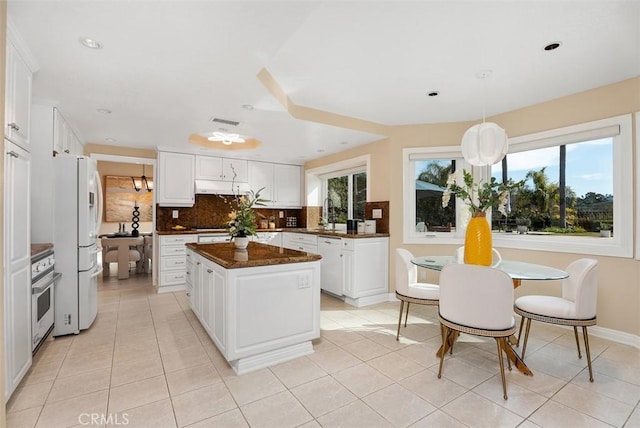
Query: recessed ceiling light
(247, 106)
(104, 110)
(110, 140)
(433, 93)
(320, 150)
(344, 143)
(90, 43)
(552, 46)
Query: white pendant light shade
(484, 144)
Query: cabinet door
(260, 174)
(235, 168)
(17, 255)
(175, 185)
(219, 306)
(347, 273)
(17, 97)
(331, 264)
(370, 267)
(208, 168)
(206, 296)
(196, 296)
(287, 185)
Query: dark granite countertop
(40, 248)
(257, 254)
(318, 232)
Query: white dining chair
(496, 258)
(476, 300)
(408, 289)
(576, 307)
(110, 251)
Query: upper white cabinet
(64, 139)
(175, 182)
(17, 97)
(222, 169)
(282, 183)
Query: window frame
(620, 245)
(349, 173)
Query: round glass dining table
(518, 271)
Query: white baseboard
(366, 301)
(270, 358)
(170, 288)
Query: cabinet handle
(14, 126)
(209, 271)
(13, 154)
(66, 151)
(188, 294)
(198, 263)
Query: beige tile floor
(146, 362)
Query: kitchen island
(260, 306)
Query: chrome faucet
(331, 213)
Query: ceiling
(167, 68)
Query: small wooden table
(517, 271)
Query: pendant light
(485, 143)
(142, 183)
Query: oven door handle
(37, 290)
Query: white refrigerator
(77, 221)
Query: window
(576, 184)
(347, 193)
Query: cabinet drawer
(173, 250)
(301, 238)
(173, 263)
(348, 244)
(172, 277)
(177, 239)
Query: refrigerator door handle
(96, 273)
(100, 203)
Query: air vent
(225, 121)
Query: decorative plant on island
(242, 218)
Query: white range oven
(43, 279)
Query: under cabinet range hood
(214, 187)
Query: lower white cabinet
(242, 310)
(172, 261)
(365, 270)
(300, 242)
(269, 238)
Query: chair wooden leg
(526, 338)
(406, 316)
(520, 331)
(575, 333)
(586, 346)
(445, 336)
(500, 344)
(400, 319)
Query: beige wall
(619, 278)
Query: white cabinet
(331, 264)
(175, 180)
(17, 263)
(365, 270)
(221, 169)
(172, 263)
(17, 97)
(64, 138)
(269, 238)
(282, 183)
(287, 185)
(300, 242)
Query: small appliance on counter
(352, 226)
(369, 226)
(361, 227)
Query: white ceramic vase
(241, 242)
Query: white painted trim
(313, 182)
(637, 169)
(171, 288)
(270, 358)
(366, 301)
(615, 336)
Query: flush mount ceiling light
(485, 143)
(90, 43)
(226, 139)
